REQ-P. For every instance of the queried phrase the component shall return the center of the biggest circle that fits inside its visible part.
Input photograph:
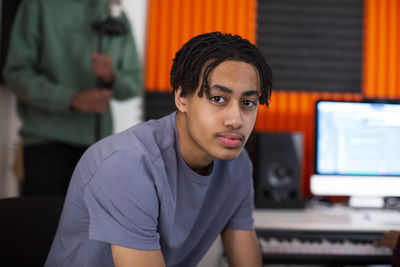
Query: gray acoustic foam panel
(312, 45)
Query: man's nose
(233, 117)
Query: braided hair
(203, 53)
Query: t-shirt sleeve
(242, 219)
(122, 202)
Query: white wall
(8, 140)
(130, 112)
(126, 113)
(136, 10)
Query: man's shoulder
(155, 134)
(148, 138)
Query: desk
(336, 218)
(326, 219)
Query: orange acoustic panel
(382, 49)
(173, 22)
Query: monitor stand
(366, 202)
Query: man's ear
(180, 100)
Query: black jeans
(48, 168)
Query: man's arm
(241, 248)
(127, 257)
(20, 71)
(389, 239)
(93, 100)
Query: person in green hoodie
(54, 68)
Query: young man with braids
(161, 192)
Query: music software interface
(356, 138)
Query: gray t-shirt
(133, 189)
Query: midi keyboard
(340, 247)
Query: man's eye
(218, 99)
(249, 103)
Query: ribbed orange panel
(382, 49)
(173, 22)
(152, 47)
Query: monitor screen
(356, 142)
(357, 138)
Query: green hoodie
(49, 62)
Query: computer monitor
(357, 151)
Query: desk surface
(336, 218)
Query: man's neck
(194, 157)
(204, 170)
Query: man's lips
(230, 139)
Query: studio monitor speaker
(278, 170)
